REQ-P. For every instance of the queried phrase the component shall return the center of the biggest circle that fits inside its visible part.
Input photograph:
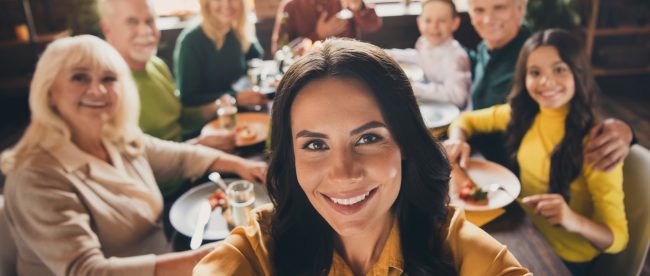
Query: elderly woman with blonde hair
(213, 55)
(81, 194)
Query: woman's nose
(344, 166)
(97, 88)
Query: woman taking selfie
(358, 184)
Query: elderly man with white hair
(130, 27)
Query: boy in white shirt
(445, 63)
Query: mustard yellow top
(594, 194)
(474, 252)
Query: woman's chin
(351, 229)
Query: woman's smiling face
(85, 96)
(347, 161)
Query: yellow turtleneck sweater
(594, 194)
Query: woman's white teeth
(548, 93)
(350, 201)
(93, 103)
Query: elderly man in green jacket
(130, 27)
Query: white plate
(257, 121)
(484, 173)
(436, 114)
(185, 210)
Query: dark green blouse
(204, 72)
(494, 71)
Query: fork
(496, 186)
(215, 178)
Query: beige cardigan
(73, 214)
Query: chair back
(8, 251)
(636, 187)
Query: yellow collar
(559, 112)
(390, 261)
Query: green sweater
(203, 71)
(161, 112)
(494, 71)
(160, 109)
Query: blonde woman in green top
(210, 57)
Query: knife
(201, 221)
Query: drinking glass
(241, 198)
(227, 116)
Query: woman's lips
(350, 205)
(94, 104)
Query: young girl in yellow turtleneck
(546, 122)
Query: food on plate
(467, 189)
(246, 133)
(218, 199)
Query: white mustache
(144, 40)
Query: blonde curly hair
(47, 129)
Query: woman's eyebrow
(366, 126)
(310, 134)
(79, 69)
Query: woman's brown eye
(368, 139)
(315, 145)
(533, 73)
(80, 77)
(109, 79)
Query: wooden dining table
(516, 231)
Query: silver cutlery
(215, 178)
(496, 186)
(201, 221)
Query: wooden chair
(636, 186)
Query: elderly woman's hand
(220, 139)
(252, 170)
(457, 151)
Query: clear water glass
(241, 198)
(227, 116)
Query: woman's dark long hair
(567, 157)
(303, 242)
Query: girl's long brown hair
(567, 157)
